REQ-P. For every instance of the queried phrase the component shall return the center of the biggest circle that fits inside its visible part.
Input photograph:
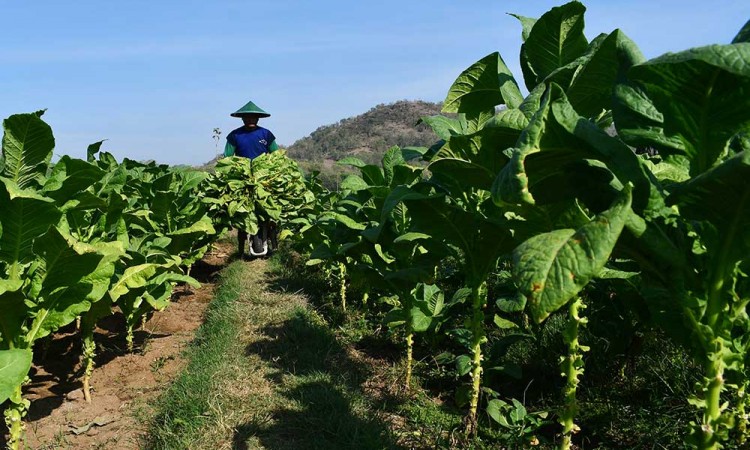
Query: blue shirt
(250, 142)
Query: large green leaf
(688, 105)
(484, 147)
(392, 158)
(479, 240)
(134, 277)
(445, 127)
(720, 196)
(71, 277)
(552, 268)
(529, 76)
(555, 147)
(27, 148)
(556, 39)
(25, 216)
(465, 173)
(353, 183)
(593, 86)
(481, 87)
(351, 161)
(69, 177)
(14, 367)
(429, 301)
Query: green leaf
(25, 216)
(351, 161)
(593, 86)
(69, 177)
(465, 173)
(743, 35)
(503, 324)
(720, 196)
(27, 149)
(412, 153)
(464, 364)
(445, 127)
(391, 159)
(554, 157)
(395, 318)
(495, 409)
(687, 105)
(481, 87)
(343, 219)
(14, 367)
(449, 224)
(411, 237)
(556, 39)
(353, 183)
(527, 23)
(552, 268)
(483, 148)
(133, 277)
(92, 150)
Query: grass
(186, 405)
(266, 371)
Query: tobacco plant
(47, 277)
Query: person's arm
(272, 139)
(229, 149)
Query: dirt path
(123, 384)
(284, 381)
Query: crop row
(82, 239)
(614, 174)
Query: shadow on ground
(326, 406)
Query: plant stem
(714, 383)
(129, 337)
(572, 369)
(342, 284)
(14, 413)
(714, 363)
(409, 357)
(478, 296)
(89, 352)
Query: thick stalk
(129, 337)
(342, 285)
(409, 355)
(365, 297)
(478, 296)
(572, 369)
(713, 364)
(714, 383)
(14, 413)
(89, 352)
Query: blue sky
(155, 77)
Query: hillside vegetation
(369, 135)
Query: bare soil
(124, 386)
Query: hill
(367, 136)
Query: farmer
(249, 141)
